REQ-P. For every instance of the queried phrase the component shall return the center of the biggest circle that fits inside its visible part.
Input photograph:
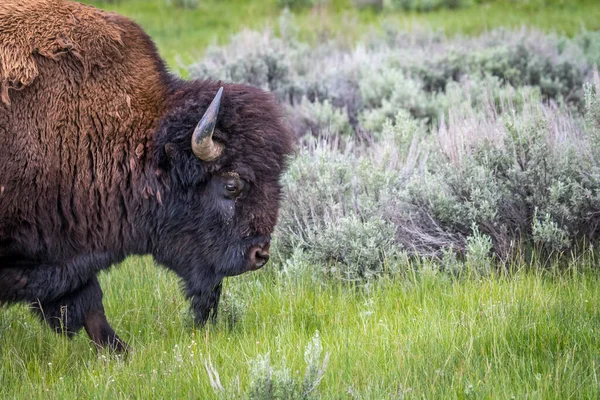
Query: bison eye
(233, 187)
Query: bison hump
(51, 29)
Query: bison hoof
(102, 335)
(113, 345)
(119, 346)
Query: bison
(105, 154)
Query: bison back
(81, 91)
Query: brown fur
(51, 28)
(65, 68)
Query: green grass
(532, 335)
(181, 35)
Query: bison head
(220, 154)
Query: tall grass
(427, 335)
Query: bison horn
(203, 145)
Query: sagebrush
(414, 143)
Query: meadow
(438, 237)
(280, 334)
(182, 34)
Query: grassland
(182, 34)
(533, 335)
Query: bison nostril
(263, 255)
(259, 256)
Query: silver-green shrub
(426, 5)
(590, 43)
(275, 382)
(271, 383)
(190, 4)
(528, 164)
(479, 247)
(334, 209)
(423, 73)
(592, 104)
(416, 144)
(322, 118)
(296, 3)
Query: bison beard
(106, 155)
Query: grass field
(423, 336)
(292, 331)
(181, 34)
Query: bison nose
(259, 255)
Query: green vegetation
(425, 334)
(416, 142)
(182, 34)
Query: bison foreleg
(81, 309)
(205, 302)
(101, 333)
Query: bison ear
(171, 151)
